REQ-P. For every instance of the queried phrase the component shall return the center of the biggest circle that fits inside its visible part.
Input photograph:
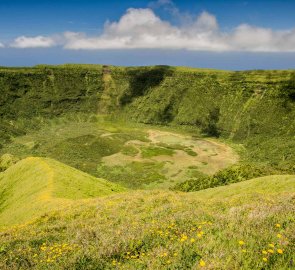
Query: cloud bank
(33, 42)
(142, 29)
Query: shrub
(233, 174)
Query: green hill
(227, 227)
(35, 186)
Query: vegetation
(248, 225)
(233, 174)
(35, 186)
(75, 139)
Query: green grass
(130, 150)
(163, 230)
(135, 175)
(35, 186)
(152, 151)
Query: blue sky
(216, 34)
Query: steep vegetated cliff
(255, 108)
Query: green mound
(230, 227)
(34, 186)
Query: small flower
(241, 243)
(199, 235)
(202, 263)
(264, 259)
(278, 225)
(270, 251)
(279, 235)
(192, 240)
(280, 251)
(244, 250)
(271, 245)
(264, 252)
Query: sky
(222, 34)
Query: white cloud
(143, 29)
(33, 42)
(1, 45)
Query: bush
(233, 174)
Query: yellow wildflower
(192, 240)
(271, 245)
(280, 251)
(244, 250)
(279, 235)
(241, 243)
(264, 259)
(278, 225)
(202, 263)
(264, 252)
(270, 251)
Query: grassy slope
(163, 230)
(36, 185)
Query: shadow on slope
(141, 80)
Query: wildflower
(202, 263)
(192, 240)
(244, 250)
(264, 259)
(175, 254)
(278, 225)
(279, 235)
(280, 251)
(241, 243)
(264, 252)
(270, 251)
(199, 235)
(183, 238)
(271, 245)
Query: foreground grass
(248, 225)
